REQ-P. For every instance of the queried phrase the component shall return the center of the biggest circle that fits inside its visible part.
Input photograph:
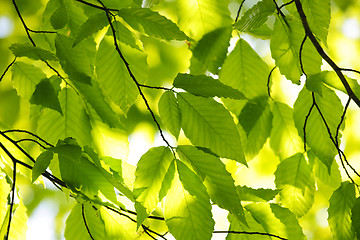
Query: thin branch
(350, 70)
(239, 10)
(7, 69)
(285, 4)
(13, 189)
(305, 123)
(154, 87)
(85, 222)
(96, 6)
(320, 50)
(30, 133)
(107, 11)
(268, 82)
(300, 54)
(41, 31)
(251, 233)
(30, 140)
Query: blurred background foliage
(165, 61)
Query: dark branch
(30, 140)
(30, 133)
(154, 87)
(7, 69)
(239, 10)
(268, 82)
(13, 189)
(285, 4)
(300, 54)
(85, 222)
(320, 50)
(252, 233)
(350, 70)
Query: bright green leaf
(256, 195)
(208, 124)
(170, 112)
(41, 163)
(73, 123)
(25, 77)
(293, 229)
(284, 138)
(317, 135)
(221, 185)
(285, 46)
(318, 16)
(341, 204)
(245, 71)
(294, 171)
(33, 52)
(212, 48)
(187, 207)
(45, 95)
(150, 173)
(263, 214)
(84, 223)
(151, 23)
(201, 16)
(206, 86)
(255, 16)
(255, 119)
(115, 78)
(78, 61)
(92, 25)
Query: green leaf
(253, 226)
(150, 174)
(314, 83)
(96, 99)
(264, 215)
(221, 185)
(205, 86)
(294, 171)
(84, 223)
(318, 16)
(321, 171)
(284, 138)
(355, 217)
(341, 204)
(92, 25)
(317, 136)
(293, 229)
(118, 226)
(60, 17)
(168, 180)
(18, 223)
(295, 179)
(199, 17)
(76, 61)
(73, 123)
(80, 174)
(255, 119)
(124, 35)
(46, 95)
(212, 48)
(285, 46)
(41, 164)
(208, 124)
(296, 201)
(33, 52)
(170, 112)
(115, 78)
(256, 195)
(151, 23)
(245, 71)
(255, 16)
(187, 207)
(25, 77)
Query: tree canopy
(181, 119)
